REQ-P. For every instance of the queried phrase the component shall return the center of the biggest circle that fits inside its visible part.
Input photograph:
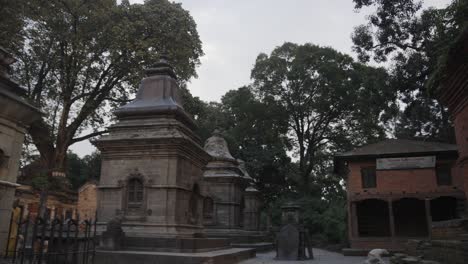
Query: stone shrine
(16, 114)
(292, 241)
(224, 185)
(149, 194)
(232, 205)
(152, 162)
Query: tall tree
(81, 58)
(412, 39)
(326, 96)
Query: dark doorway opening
(410, 217)
(373, 218)
(443, 208)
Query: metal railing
(50, 240)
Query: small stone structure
(224, 185)
(292, 242)
(253, 203)
(152, 162)
(87, 200)
(16, 114)
(152, 182)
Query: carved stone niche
(135, 197)
(193, 205)
(3, 159)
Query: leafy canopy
(78, 59)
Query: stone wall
(444, 251)
(452, 229)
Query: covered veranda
(388, 221)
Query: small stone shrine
(224, 185)
(252, 202)
(150, 187)
(292, 242)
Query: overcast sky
(234, 32)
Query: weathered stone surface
(112, 238)
(152, 163)
(288, 243)
(15, 116)
(224, 182)
(253, 204)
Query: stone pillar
(15, 116)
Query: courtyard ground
(321, 256)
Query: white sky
(234, 32)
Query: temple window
(368, 177)
(135, 193)
(444, 175)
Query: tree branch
(94, 134)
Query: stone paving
(321, 256)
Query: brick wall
(399, 181)
(461, 133)
(87, 201)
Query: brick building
(397, 188)
(87, 200)
(59, 204)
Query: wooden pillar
(391, 219)
(427, 203)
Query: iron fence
(50, 240)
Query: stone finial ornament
(6, 59)
(217, 147)
(158, 93)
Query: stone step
(225, 256)
(259, 247)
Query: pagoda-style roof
(399, 147)
(158, 94)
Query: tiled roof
(399, 146)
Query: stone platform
(259, 247)
(225, 256)
(181, 245)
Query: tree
(255, 132)
(81, 58)
(331, 101)
(413, 40)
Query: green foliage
(40, 182)
(81, 170)
(325, 220)
(415, 41)
(79, 58)
(255, 132)
(331, 102)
